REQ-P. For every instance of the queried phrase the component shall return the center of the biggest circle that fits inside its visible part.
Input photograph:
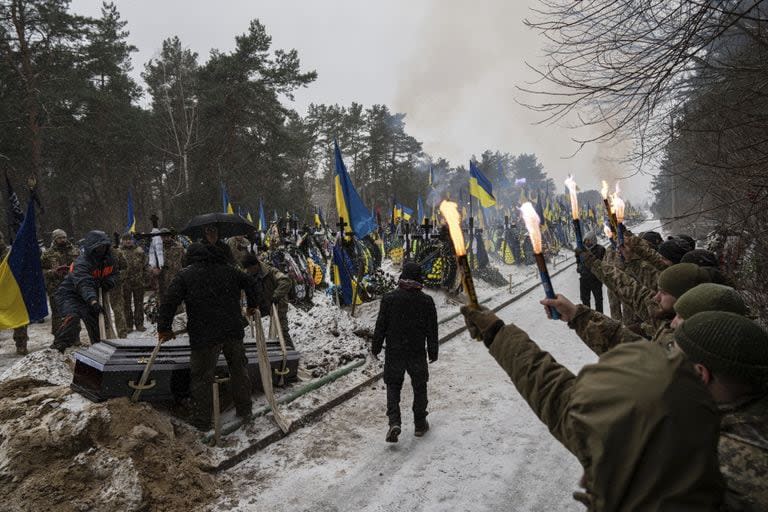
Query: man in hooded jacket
(589, 285)
(210, 288)
(640, 421)
(78, 294)
(407, 319)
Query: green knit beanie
(726, 342)
(678, 279)
(709, 297)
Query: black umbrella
(228, 225)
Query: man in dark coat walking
(588, 283)
(407, 320)
(78, 294)
(210, 288)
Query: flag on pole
(131, 226)
(262, 218)
(226, 205)
(249, 217)
(348, 203)
(22, 287)
(480, 187)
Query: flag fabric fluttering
(480, 187)
(22, 287)
(226, 205)
(262, 217)
(130, 227)
(342, 274)
(348, 203)
(15, 215)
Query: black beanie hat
(701, 257)
(412, 271)
(673, 250)
(652, 237)
(726, 342)
(687, 240)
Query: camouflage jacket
(173, 255)
(53, 258)
(136, 266)
(630, 292)
(601, 333)
(275, 286)
(239, 249)
(743, 453)
(645, 264)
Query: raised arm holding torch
(532, 223)
(571, 184)
(450, 212)
(618, 205)
(608, 208)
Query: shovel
(142, 385)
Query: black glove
(275, 300)
(96, 308)
(432, 359)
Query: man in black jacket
(210, 288)
(588, 283)
(78, 294)
(407, 319)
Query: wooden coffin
(107, 369)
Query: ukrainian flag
(480, 187)
(131, 227)
(348, 203)
(262, 219)
(22, 288)
(406, 212)
(226, 205)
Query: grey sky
(450, 65)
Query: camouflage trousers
(133, 301)
(118, 310)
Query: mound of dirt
(58, 451)
(45, 365)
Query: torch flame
(604, 190)
(532, 223)
(617, 204)
(607, 231)
(450, 212)
(571, 184)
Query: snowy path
(486, 450)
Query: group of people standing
(674, 415)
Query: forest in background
(73, 119)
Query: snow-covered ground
(486, 450)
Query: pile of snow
(329, 337)
(59, 451)
(47, 365)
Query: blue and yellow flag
(262, 219)
(348, 203)
(22, 288)
(131, 226)
(480, 187)
(226, 205)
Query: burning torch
(532, 223)
(571, 184)
(450, 212)
(608, 207)
(618, 205)
(609, 234)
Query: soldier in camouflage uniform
(20, 336)
(116, 295)
(133, 282)
(56, 261)
(640, 422)
(173, 255)
(239, 246)
(275, 287)
(730, 354)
